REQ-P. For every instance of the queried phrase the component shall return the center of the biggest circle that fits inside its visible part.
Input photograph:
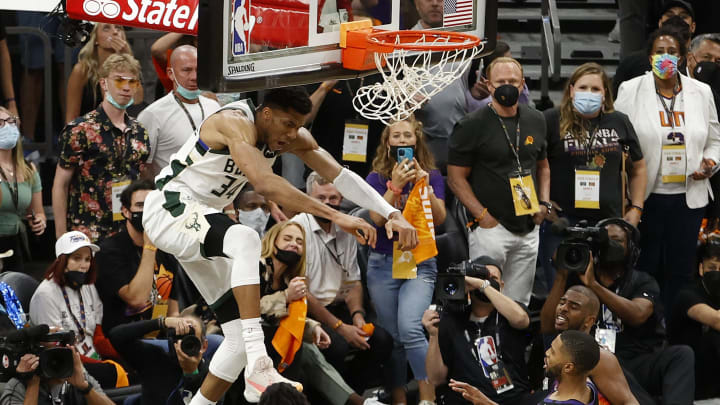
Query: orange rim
(384, 41)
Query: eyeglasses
(9, 120)
(121, 81)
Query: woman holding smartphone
(401, 160)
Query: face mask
(289, 257)
(711, 282)
(187, 94)
(506, 95)
(394, 149)
(322, 220)
(75, 279)
(481, 296)
(117, 105)
(664, 66)
(9, 135)
(136, 221)
(587, 103)
(612, 255)
(256, 219)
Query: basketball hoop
(415, 66)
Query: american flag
(457, 12)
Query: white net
(410, 78)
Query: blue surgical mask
(187, 94)
(9, 135)
(117, 105)
(587, 103)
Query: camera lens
(190, 345)
(573, 257)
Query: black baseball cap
(678, 3)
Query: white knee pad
(229, 359)
(242, 245)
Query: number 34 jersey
(209, 176)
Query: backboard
(247, 45)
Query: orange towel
(288, 338)
(418, 212)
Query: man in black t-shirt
(134, 278)
(630, 322)
(498, 169)
(484, 347)
(696, 320)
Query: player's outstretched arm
(354, 188)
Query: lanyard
(591, 140)
(12, 186)
(669, 112)
(80, 327)
(182, 105)
(515, 149)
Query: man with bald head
(172, 119)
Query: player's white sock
(254, 339)
(199, 399)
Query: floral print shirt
(100, 154)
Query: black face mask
(711, 282)
(75, 279)
(507, 95)
(393, 151)
(322, 220)
(481, 296)
(136, 221)
(612, 255)
(288, 257)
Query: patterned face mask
(664, 66)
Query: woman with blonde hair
(588, 142)
(22, 191)
(400, 303)
(282, 282)
(83, 89)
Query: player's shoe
(262, 376)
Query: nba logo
(243, 22)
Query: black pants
(104, 373)
(363, 364)
(707, 365)
(14, 262)
(669, 373)
(669, 232)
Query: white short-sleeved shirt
(331, 266)
(169, 127)
(48, 307)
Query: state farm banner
(164, 15)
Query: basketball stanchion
(415, 65)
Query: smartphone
(404, 153)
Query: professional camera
(55, 362)
(189, 343)
(574, 252)
(450, 290)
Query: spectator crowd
(565, 256)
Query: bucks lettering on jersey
(209, 176)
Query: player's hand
(430, 320)
(320, 337)
(358, 227)
(470, 393)
(354, 335)
(402, 173)
(296, 289)
(408, 238)
(275, 212)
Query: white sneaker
(262, 376)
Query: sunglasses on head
(121, 81)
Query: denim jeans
(400, 305)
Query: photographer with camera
(165, 375)
(31, 387)
(630, 321)
(483, 344)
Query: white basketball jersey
(209, 176)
